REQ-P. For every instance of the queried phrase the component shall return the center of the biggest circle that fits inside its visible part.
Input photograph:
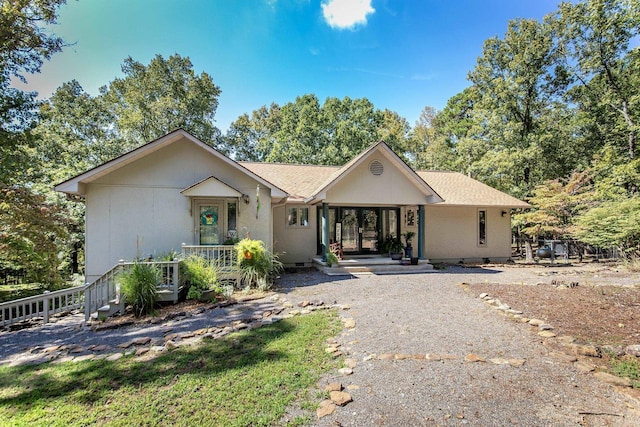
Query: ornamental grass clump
(202, 275)
(139, 286)
(256, 265)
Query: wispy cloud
(364, 71)
(346, 14)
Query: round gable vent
(376, 168)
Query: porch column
(325, 231)
(421, 231)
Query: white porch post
(325, 231)
(421, 231)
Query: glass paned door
(370, 230)
(209, 223)
(349, 231)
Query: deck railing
(105, 290)
(224, 255)
(44, 305)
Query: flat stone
(545, 327)
(340, 398)
(369, 357)
(101, 347)
(490, 301)
(349, 323)
(400, 356)
(51, 349)
(84, 358)
(337, 354)
(346, 307)
(74, 349)
(333, 387)
(432, 357)
(566, 339)
(587, 350)
(304, 303)
(386, 356)
(483, 295)
(633, 350)
(546, 334)
(171, 337)
(345, 371)
(114, 357)
(157, 348)
(142, 341)
(287, 305)
(240, 326)
(584, 367)
(418, 356)
(170, 345)
(125, 344)
(499, 361)
(613, 380)
(353, 387)
(563, 357)
(188, 335)
(141, 351)
(514, 312)
(536, 322)
(326, 407)
(294, 312)
(350, 363)
(473, 358)
(449, 357)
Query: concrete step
(386, 268)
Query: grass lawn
(247, 378)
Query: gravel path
(412, 315)
(430, 314)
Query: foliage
(139, 286)
(155, 99)
(256, 264)
(613, 224)
(408, 235)
(391, 245)
(250, 378)
(332, 259)
(627, 367)
(202, 275)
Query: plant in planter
(408, 249)
(393, 246)
(256, 264)
(202, 275)
(332, 259)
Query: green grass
(627, 366)
(248, 378)
(12, 292)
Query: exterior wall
(138, 210)
(294, 244)
(451, 234)
(361, 187)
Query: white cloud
(343, 14)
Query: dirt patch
(598, 314)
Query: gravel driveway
(414, 315)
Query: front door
(209, 226)
(359, 230)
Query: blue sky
(402, 55)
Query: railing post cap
(121, 261)
(184, 244)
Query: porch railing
(225, 255)
(44, 305)
(105, 290)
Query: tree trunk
(529, 257)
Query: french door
(360, 229)
(209, 223)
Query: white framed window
(297, 216)
(482, 227)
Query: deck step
(355, 267)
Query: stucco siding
(361, 187)
(294, 244)
(451, 234)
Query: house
(178, 191)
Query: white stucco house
(177, 190)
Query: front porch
(372, 264)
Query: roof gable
(211, 187)
(381, 147)
(76, 185)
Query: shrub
(332, 259)
(139, 286)
(256, 264)
(202, 275)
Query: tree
(29, 226)
(155, 99)
(251, 137)
(598, 64)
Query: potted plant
(393, 246)
(408, 249)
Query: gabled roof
(211, 187)
(461, 190)
(75, 185)
(320, 192)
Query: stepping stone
(432, 357)
(386, 356)
(349, 323)
(114, 357)
(340, 398)
(333, 387)
(402, 356)
(517, 362)
(350, 363)
(326, 407)
(345, 371)
(353, 387)
(142, 341)
(546, 334)
(473, 358)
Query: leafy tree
(152, 100)
(29, 226)
(251, 137)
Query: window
(482, 227)
(298, 217)
(232, 209)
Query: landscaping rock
(473, 358)
(350, 363)
(546, 334)
(587, 350)
(333, 387)
(345, 371)
(340, 398)
(326, 407)
(633, 350)
(349, 323)
(613, 380)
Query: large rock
(326, 407)
(633, 350)
(340, 398)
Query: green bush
(139, 286)
(332, 259)
(256, 264)
(202, 275)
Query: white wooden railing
(105, 290)
(44, 305)
(224, 255)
